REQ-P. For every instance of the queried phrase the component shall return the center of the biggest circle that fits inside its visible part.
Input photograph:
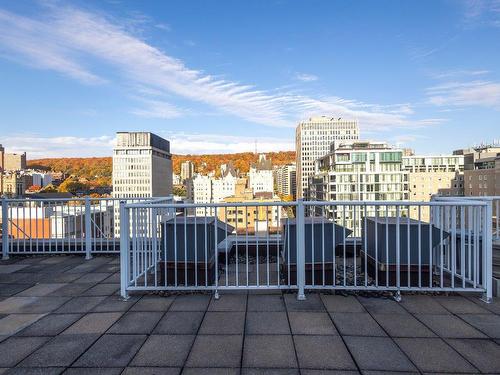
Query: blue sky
(218, 76)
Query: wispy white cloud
(305, 77)
(482, 12)
(404, 140)
(157, 109)
(199, 143)
(472, 93)
(163, 26)
(37, 146)
(64, 38)
(22, 35)
(419, 53)
(459, 73)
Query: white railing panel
(386, 246)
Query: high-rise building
(187, 170)
(142, 166)
(313, 139)
(359, 171)
(260, 176)
(285, 179)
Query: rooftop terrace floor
(62, 314)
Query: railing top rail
(210, 205)
(306, 203)
(396, 203)
(481, 198)
(81, 199)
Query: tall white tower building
(142, 166)
(285, 177)
(187, 170)
(312, 141)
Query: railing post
(216, 243)
(5, 229)
(88, 230)
(488, 253)
(397, 295)
(300, 229)
(124, 249)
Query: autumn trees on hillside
(97, 172)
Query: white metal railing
(66, 225)
(495, 210)
(304, 245)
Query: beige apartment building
(253, 219)
(14, 184)
(12, 161)
(430, 175)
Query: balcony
(444, 245)
(65, 313)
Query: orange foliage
(241, 161)
(34, 188)
(98, 171)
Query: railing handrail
(466, 197)
(211, 205)
(306, 203)
(81, 199)
(390, 203)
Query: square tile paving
(62, 314)
(267, 323)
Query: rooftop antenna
(255, 147)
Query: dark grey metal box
(321, 237)
(382, 244)
(194, 236)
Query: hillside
(98, 170)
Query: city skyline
(408, 76)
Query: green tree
(179, 191)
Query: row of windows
(132, 167)
(249, 222)
(129, 181)
(131, 174)
(131, 188)
(133, 152)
